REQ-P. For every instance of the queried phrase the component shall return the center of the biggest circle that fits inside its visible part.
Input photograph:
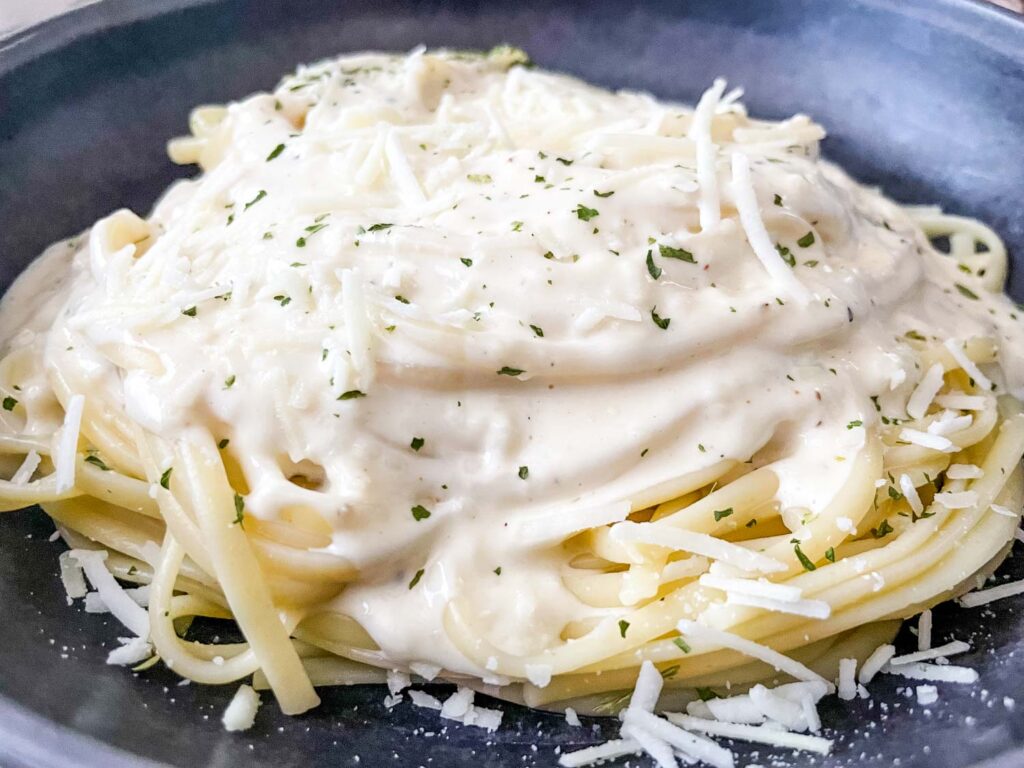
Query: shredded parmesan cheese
(67, 444)
(757, 235)
(759, 734)
(874, 663)
(984, 596)
(942, 651)
(847, 679)
(717, 637)
(698, 543)
(241, 712)
(956, 350)
(927, 440)
(924, 394)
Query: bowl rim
(31, 740)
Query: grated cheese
(925, 392)
(755, 587)
(697, 543)
(71, 577)
(945, 673)
(924, 631)
(873, 664)
(757, 235)
(758, 734)
(812, 609)
(690, 744)
(67, 444)
(961, 401)
(964, 472)
(241, 712)
(647, 688)
(600, 753)
(927, 694)
(985, 596)
(910, 494)
(956, 499)
(927, 440)
(709, 205)
(425, 700)
(942, 651)
(123, 608)
(847, 679)
(972, 370)
(769, 656)
(132, 651)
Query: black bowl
(923, 97)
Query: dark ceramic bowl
(923, 97)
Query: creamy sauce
(396, 231)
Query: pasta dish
(447, 368)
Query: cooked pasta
(451, 367)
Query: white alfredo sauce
(442, 248)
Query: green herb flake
(805, 561)
(379, 227)
(585, 213)
(681, 644)
(806, 241)
(652, 269)
(497, 571)
(165, 478)
(283, 300)
(855, 423)
(259, 196)
(668, 252)
(97, 462)
(419, 512)
(563, 161)
(786, 254)
(882, 530)
(830, 554)
(604, 194)
(751, 523)
(480, 178)
(401, 299)
(661, 322)
(229, 381)
(239, 511)
(416, 579)
(623, 626)
(965, 291)
(9, 403)
(524, 472)
(706, 694)
(275, 152)
(351, 394)
(538, 331)
(778, 200)
(223, 443)
(508, 371)
(517, 226)
(722, 513)
(467, 262)
(417, 443)
(190, 312)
